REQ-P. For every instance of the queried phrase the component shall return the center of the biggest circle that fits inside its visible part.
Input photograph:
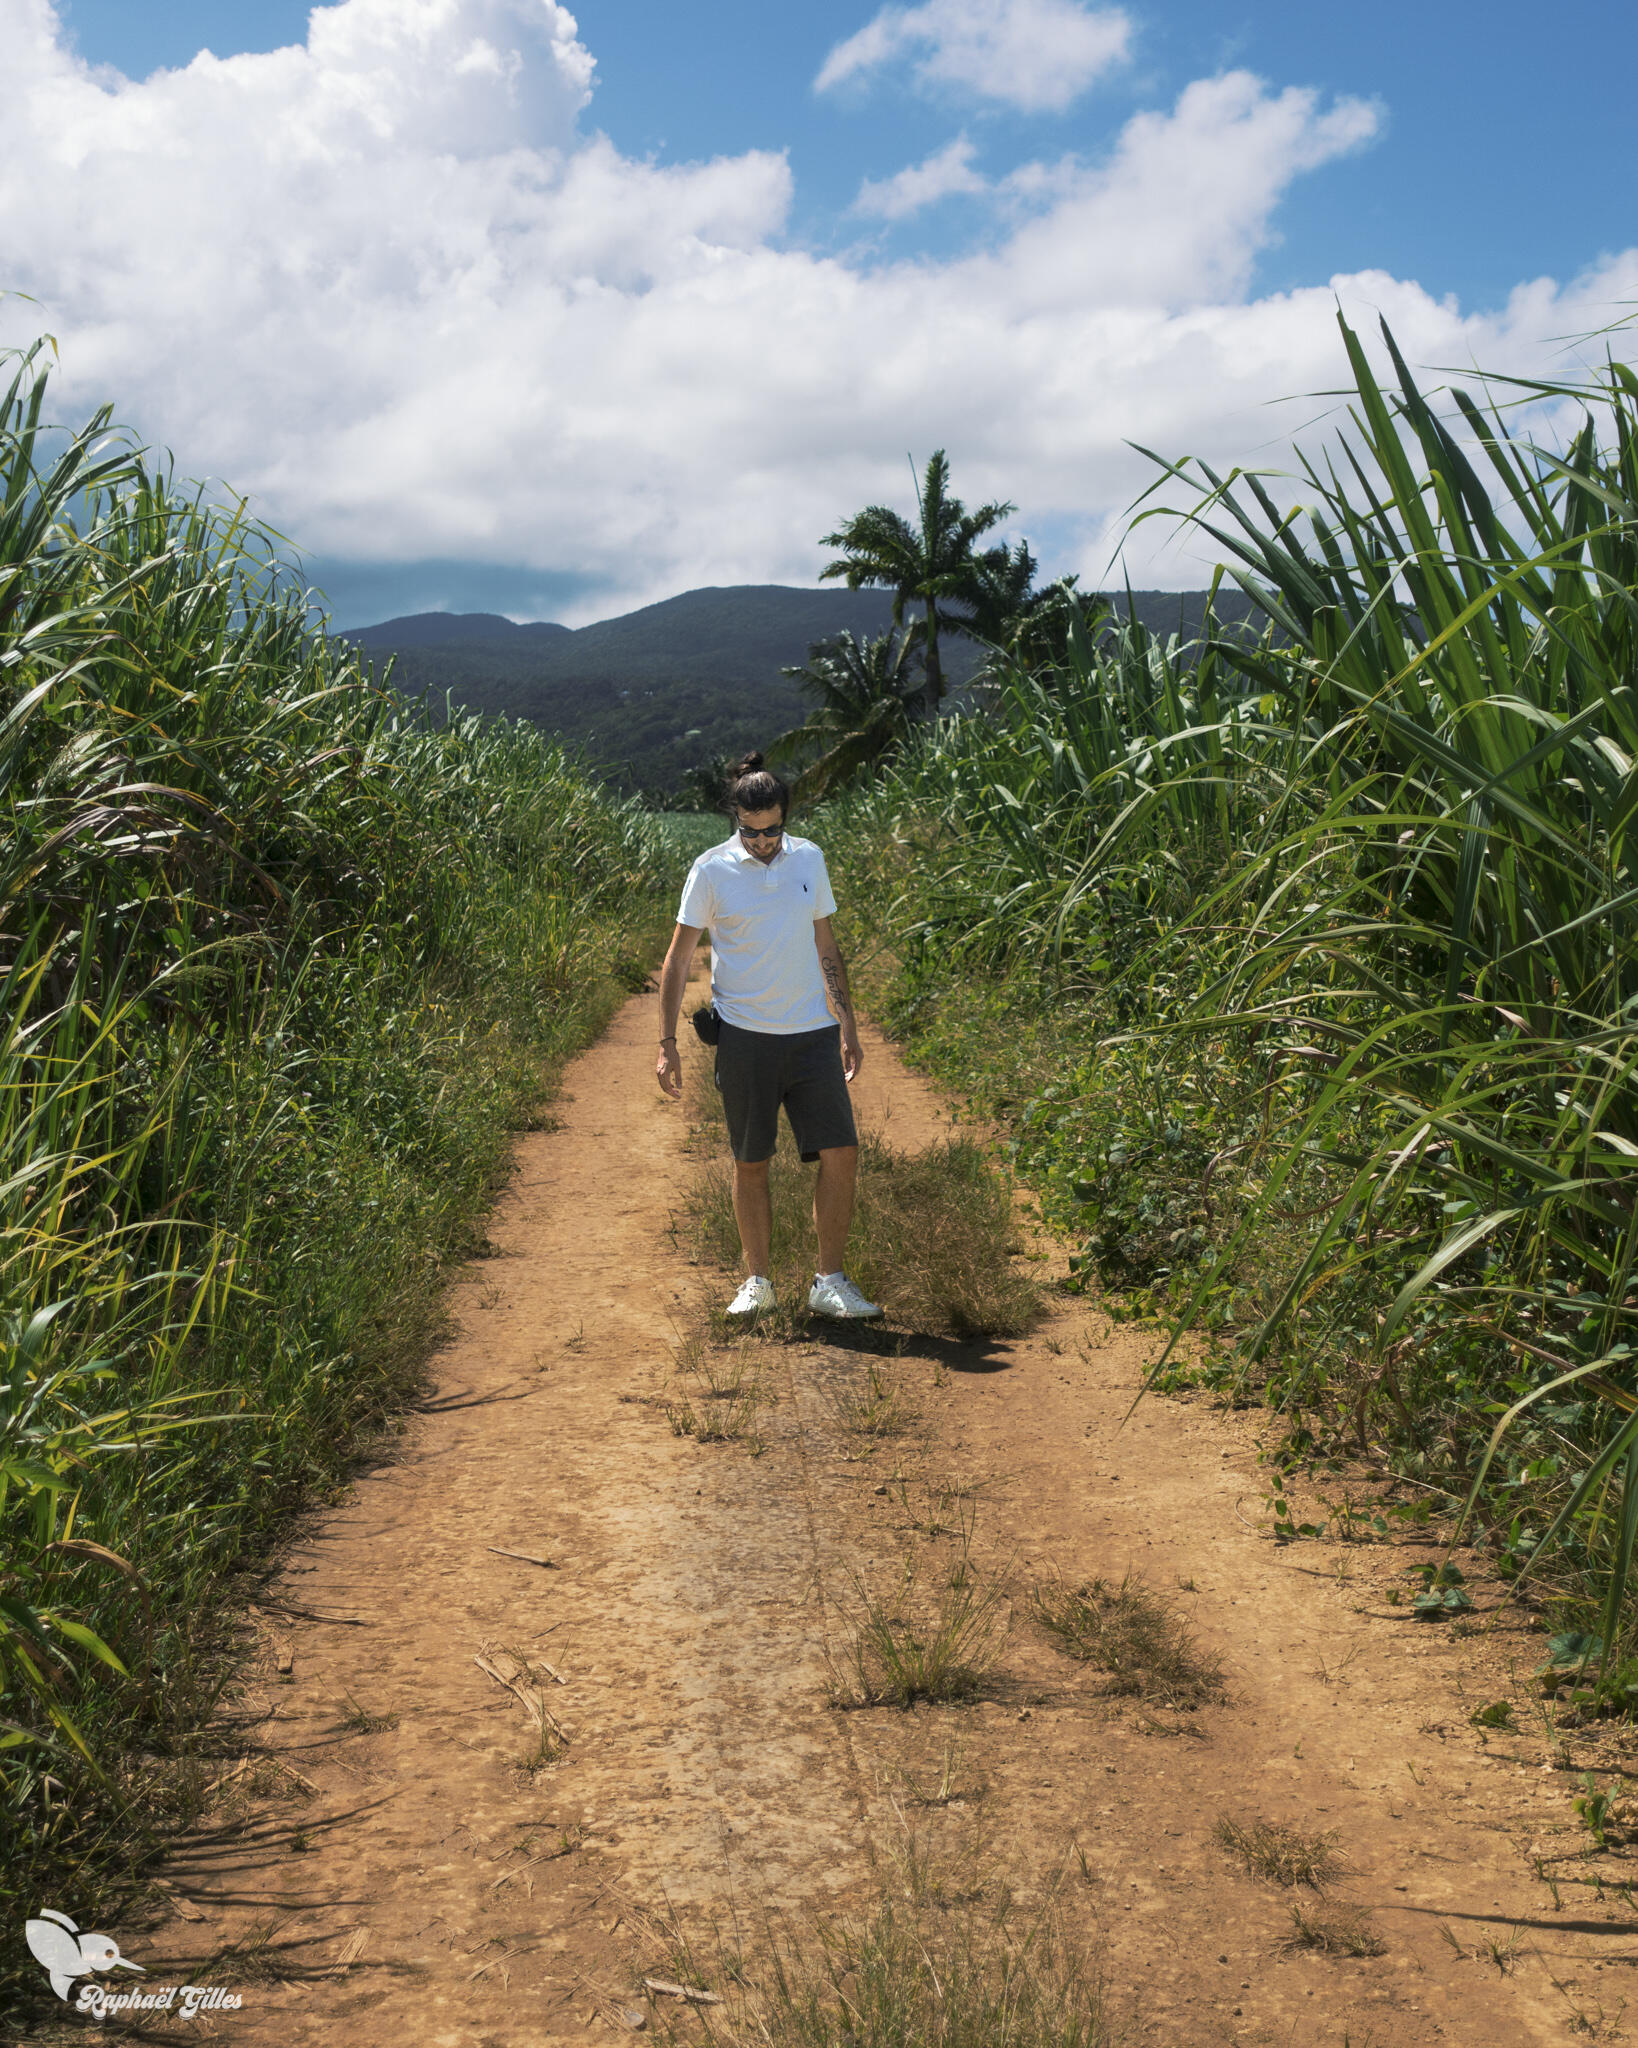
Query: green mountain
(647, 695)
(657, 691)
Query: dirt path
(392, 1872)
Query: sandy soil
(388, 1868)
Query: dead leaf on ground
(351, 1949)
(520, 1680)
(663, 1988)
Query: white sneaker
(756, 1295)
(842, 1300)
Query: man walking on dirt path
(787, 1033)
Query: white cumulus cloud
(1183, 206)
(388, 284)
(943, 175)
(1036, 55)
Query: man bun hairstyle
(751, 787)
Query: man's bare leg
(833, 1203)
(753, 1212)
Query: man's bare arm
(834, 969)
(673, 980)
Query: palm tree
(867, 692)
(704, 787)
(931, 564)
(1037, 633)
(1003, 590)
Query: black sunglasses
(761, 831)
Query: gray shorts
(759, 1070)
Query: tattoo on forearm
(836, 982)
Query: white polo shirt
(764, 964)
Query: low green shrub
(282, 967)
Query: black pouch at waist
(707, 1023)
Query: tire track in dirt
(428, 1887)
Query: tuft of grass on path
(901, 1977)
(1135, 1636)
(1283, 1854)
(1335, 1930)
(940, 1957)
(876, 1410)
(934, 1642)
(725, 1394)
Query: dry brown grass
(527, 1679)
(941, 1957)
(362, 1720)
(1134, 1635)
(1335, 1930)
(1283, 1854)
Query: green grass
(935, 1634)
(724, 1395)
(875, 1407)
(682, 836)
(282, 967)
(1139, 1156)
(1336, 932)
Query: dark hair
(751, 787)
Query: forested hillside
(656, 692)
(645, 696)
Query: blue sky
(697, 367)
(1447, 196)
